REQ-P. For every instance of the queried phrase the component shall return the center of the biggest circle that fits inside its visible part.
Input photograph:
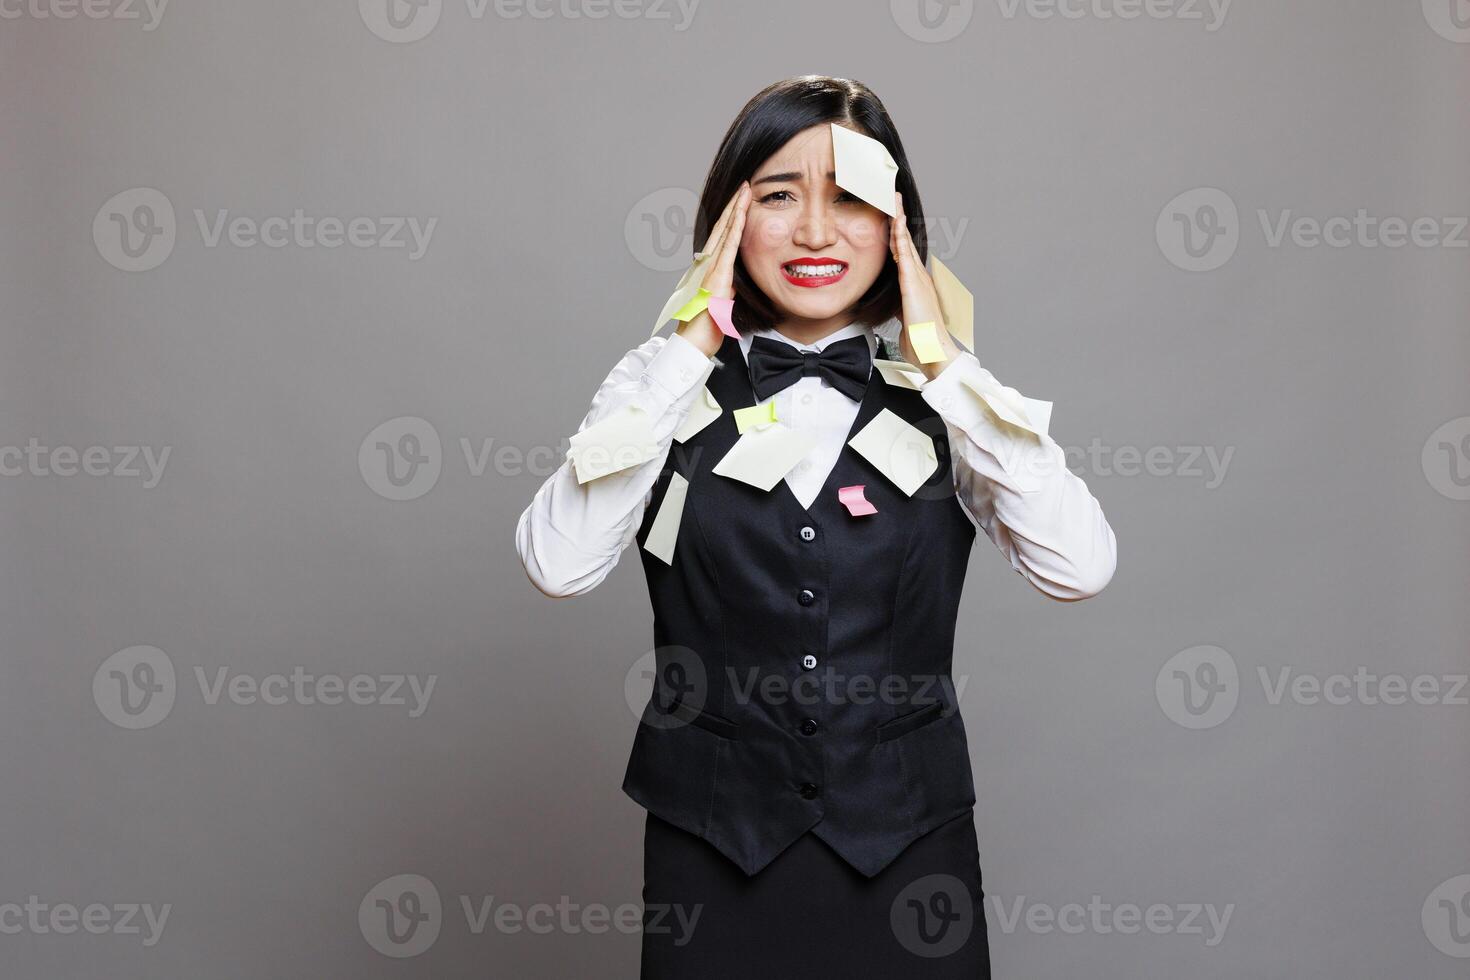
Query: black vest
(803, 655)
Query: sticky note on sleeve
(623, 439)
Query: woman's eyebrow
(789, 177)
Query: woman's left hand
(920, 300)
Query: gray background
(549, 149)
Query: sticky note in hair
(865, 168)
(852, 498)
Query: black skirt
(809, 914)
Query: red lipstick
(804, 277)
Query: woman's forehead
(808, 153)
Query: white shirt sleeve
(572, 534)
(1016, 488)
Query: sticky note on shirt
(900, 374)
(852, 498)
(1011, 406)
(763, 456)
(749, 418)
(704, 411)
(664, 533)
(956, 302)
(901, 452)
(864, 167)
(623, 439)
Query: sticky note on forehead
(864, 168)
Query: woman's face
(798, 214)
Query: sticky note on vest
(623, 439)
(761, 457)
(664, 533)
(900, 451)
(704, 411)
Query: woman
(802, 760)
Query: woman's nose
(816, 227)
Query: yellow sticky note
(925, 338)
(704, 411)
(694, 307)
(664, 533)
(864, 167)
(621, 440)
(762, 456)
(900, 451)
(689, 286)
(956, 302)
(755, 415)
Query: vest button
(806, 597)
(808, 533)
(808, 791)
(809, 661)
(809, 726)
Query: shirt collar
(843, 333)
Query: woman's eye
(772, 196)
(845, 196)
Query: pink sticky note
(719, 309)
(852, 498)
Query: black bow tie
(774, 365)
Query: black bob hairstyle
(776, 114)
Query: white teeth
(813, 271)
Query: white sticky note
(704, 411)
(900, 374)
(864, 167)
(687, 290)
(900, 451)
(664, 533)
(1011, 406)
(956, 303)
(623, 439)
(761, 457)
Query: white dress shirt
(1013, 485)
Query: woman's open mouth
(814, 272)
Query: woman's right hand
(724, 246)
